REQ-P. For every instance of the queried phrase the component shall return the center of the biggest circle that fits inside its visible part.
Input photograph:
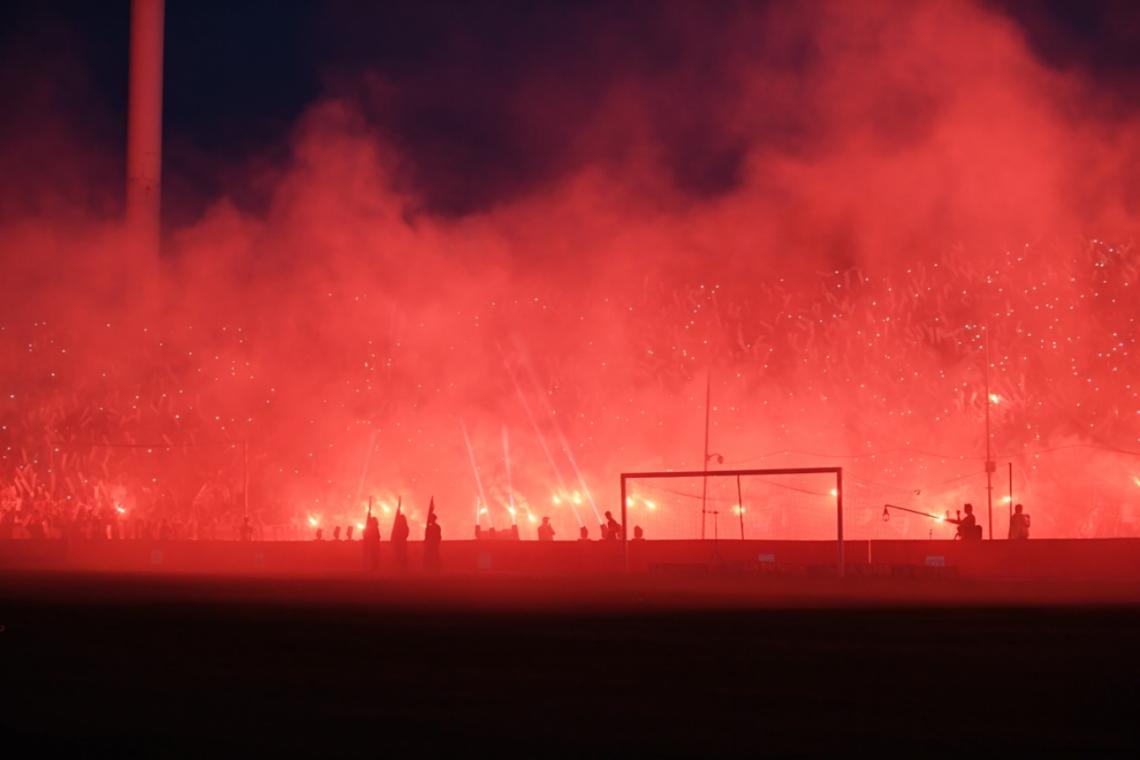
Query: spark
(510, 487)
(566, 449)
(537, 431)
(478, 480)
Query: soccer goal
(803, 503)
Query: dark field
(532, 666)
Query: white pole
(144, 136)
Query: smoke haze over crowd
(549, 227)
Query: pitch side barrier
(836, 471)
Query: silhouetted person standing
(433, 537)
(583, 533)
(371, 543)
(400, 531)
(1018, 524)
(613, 528)
(546, 530)
(638, 533)
(246, 531)
(968, 528)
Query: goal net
(794, 504)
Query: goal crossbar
(836, 471)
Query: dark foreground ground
(514, 666)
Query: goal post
(837, 472)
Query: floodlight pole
(990, 465)
(144, 136)
(245, 478)
(705, 461)
(716, 534)
(1011, 492)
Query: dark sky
(440, 80)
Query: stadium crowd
(40, 516)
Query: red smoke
(831, 259)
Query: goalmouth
(626, 477)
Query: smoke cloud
(822, 209)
